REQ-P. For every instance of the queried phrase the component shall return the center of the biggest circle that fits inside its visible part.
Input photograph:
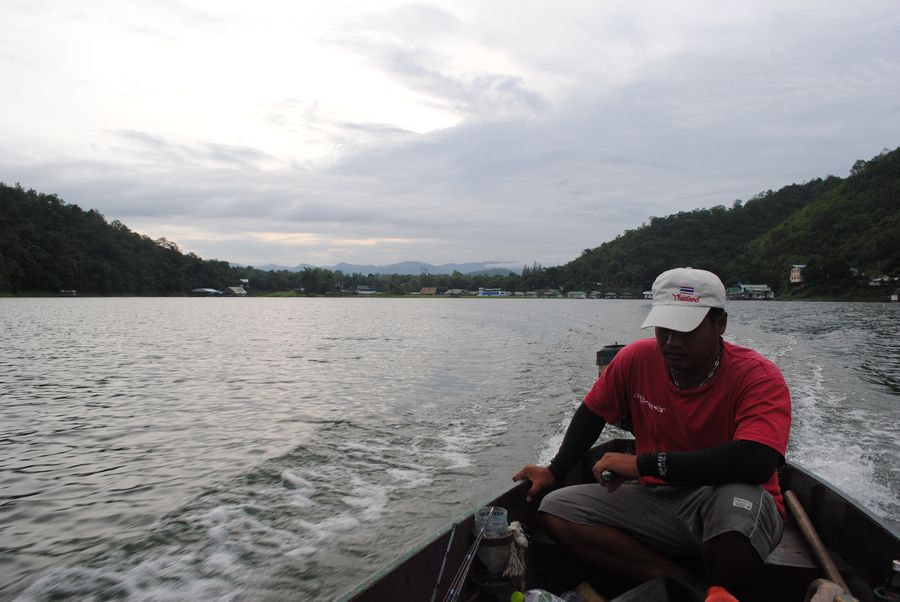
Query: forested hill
(846, 230)
(47, 245)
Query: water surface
(262, 448)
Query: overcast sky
(375, 131)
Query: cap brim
(674, 317)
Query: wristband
(662, 466)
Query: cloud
(320, 135)
(468, 95)
(402, 45)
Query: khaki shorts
(673, 520)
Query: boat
(827, 534)
(206, 292)
(861, 546)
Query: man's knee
(567, 533)
(745, 515)
(730, 543)
(552, 525)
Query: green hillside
(47, 245)
(845, 236)
(845, 230)
(711, 238)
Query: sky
(318, 132)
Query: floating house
(751, 291)
(492, 292)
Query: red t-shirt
(747, 399)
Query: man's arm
(581, 433)
(735, 462)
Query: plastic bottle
(542, 595)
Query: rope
(517, 547)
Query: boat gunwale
(847, 498)
(463, 523)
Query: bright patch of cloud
(371, 242)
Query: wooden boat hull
(861, 544)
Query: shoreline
(882, 298)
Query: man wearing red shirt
(711, 422)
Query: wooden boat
(826, 532)
(861, 545)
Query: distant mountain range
(487, 268)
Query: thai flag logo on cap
(687, 290)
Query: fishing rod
(460, 578)
(437, 582)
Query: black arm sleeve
(734, 462)
(583, 431)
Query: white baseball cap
(682, 298)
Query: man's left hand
(623, 466)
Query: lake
(263, 448)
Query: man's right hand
(540, 476)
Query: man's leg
(629, 532)
(730, 559)
(610, 549)
(741, 527)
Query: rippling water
(269, 448)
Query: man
(711, 422)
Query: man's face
(694, 350)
